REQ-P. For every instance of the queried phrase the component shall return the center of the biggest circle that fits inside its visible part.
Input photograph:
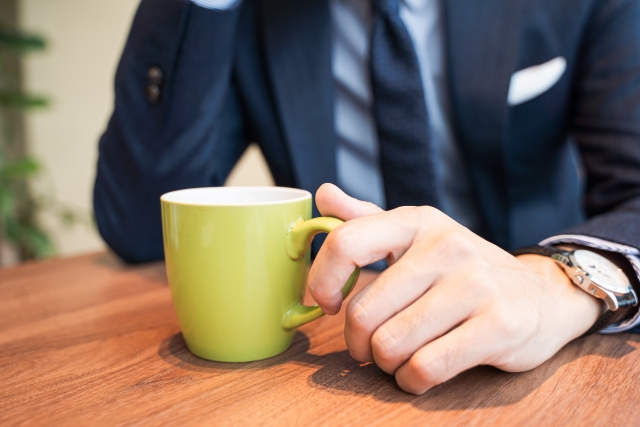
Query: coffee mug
(237, 261)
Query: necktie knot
(387, 7)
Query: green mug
(237, 262)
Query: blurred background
(57, 65)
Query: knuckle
(507, 361)
(359, 355)
(339, 241)
(433, 219)
(411, 213)
(450, 361)
(427, 374)
(504, 323)
(357, 316)
(355, 356)
(384, 345)
(322, 293)
(408, 218)
(428, 213)
(456, 243)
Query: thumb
(332, 201)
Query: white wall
(85, 39)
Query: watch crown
(578, 279)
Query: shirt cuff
(631, 253)
(216, 4)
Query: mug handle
(299, 239)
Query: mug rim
(300, 195)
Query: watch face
(602, 271)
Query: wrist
(623, 264)
(573, 311)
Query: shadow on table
(174, 351)
(481, 387)
(338, 373)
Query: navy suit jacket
(261, 72)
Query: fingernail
(327, 311)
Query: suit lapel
(298, 54)
(482, 47)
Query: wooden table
(88, 341)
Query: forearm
(152, 146)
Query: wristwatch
(595, 275)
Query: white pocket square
(530, 82)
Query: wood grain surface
(89, 341)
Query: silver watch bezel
(612, 295)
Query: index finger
(357, 243)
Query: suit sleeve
(190, 135)
(606, 122)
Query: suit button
(152, 92)
(155, 76)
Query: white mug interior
(235, 196)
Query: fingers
(438, 311)
(391, 292)
(359, 242)
(426, 263)
(332, 201)
(444, 358)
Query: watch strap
(607, 318)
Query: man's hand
(449, 300)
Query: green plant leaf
(30, 238)
(22, 101)
(20, 169)
(7, 204)
(21, 42)
(18, 208)
(37, 241)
